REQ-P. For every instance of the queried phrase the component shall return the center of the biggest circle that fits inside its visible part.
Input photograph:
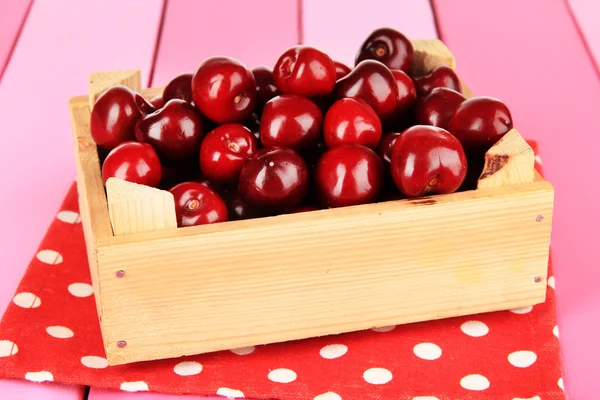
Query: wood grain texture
(429, 54)
(100, 81)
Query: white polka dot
(522, 310)
(384, 328)
(282, 375)
(328, 396)
(49, 257)
(94, 362)
(40, 376)
(188, 368)
(551, 282)
(377, 376)
(425, 398)
(427, 351)
(59, 332)
(561, 384)
(138, 386)
(80, 289)
(474, 328)
(69, 217)
(27, 300)
(555, 330)
(522, 359)
(231, 393)
(333, 351)
(529, 398)
(475, 382)
(243, 351)
(8, 348)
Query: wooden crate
(164, 292)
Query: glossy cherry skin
(224, 150)
(437, 108)
(480, 122)
(389, 47)
(305, 71)
(238, 209)
(115, 114)
(180, 87)
(386, 146)
(348, 175)
(196, 204)
(441, 76)
(157, 102)
(133, 162)
(265, 86)
(290, 121)
(175, 131)
(341, 70)
(351, 121)
(374, 83)
(224, 90)
(407, 93)
(428, 160)
(274, 180)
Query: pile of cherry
(233, 143)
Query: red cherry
(349, 175)
(386, 146)
(239, 210)
(265, 86)
(273, 179)
(157, 102)
(133, 162)
(304, 209)
(290, 121)
(437, 108)
(224, 150)
(305, 71)
(428, 160)
(180, 87)
(224, 90)
(389, 47)
(407, 93)
(441, 76)
(480, 122)
(196, 204)
(351, 121)
(341, 70)
(374, 83)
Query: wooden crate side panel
(306, 276)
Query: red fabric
(504, 355)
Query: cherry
(224, 90)
(224, 150)
(157, 102)
(407, 93)
(351, 121)
(305, 71)
(480, 122)
(115, 114)
(374, 83)
(265, 86)
(175, 131)
(348, 175)
(133, 162)
(428, 160)
(389, 47)
(273, 179)
(180, 87)
(441, 76)
(196, 204)
(341, 70)
(304, 209)
(253, 123)
(386, 145)
(290, 121)
(238, 209)
(437, 108)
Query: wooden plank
(12, 18)
(429, 54)
(586, 14)
(24, 390)
(102, 394)
(100, 81)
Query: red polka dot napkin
(50, 332)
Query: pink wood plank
(98, 394)
(339, 27)
(23, 390)
(255, 32)
(11, 18)
(587, 12)
(529, 54)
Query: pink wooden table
(533, 55)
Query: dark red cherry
(157, 102)
(348, 175)
(224, 150)
(386, 145)
(265, 86)
(180, 87)
(480, 122)
(428, 160)
(341, 70)
(273, 180)
(304, 209)
(196, 204)
(133, 162)
(437, 108)
(441, 76)
(305, 71)
(253, 123)
(407, 93)
(374, 83)
(389, 47)
(351, 121)
(290, 121)
(239, 210)
(224, 90)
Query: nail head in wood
(121, 344)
